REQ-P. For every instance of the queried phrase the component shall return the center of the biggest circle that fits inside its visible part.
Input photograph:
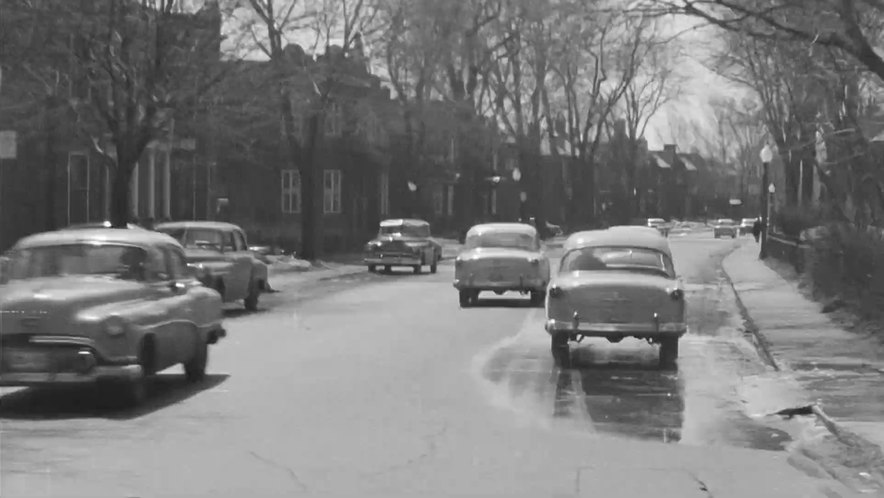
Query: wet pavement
(715, 397)
(381, 385)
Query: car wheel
(668, 352)
(538, 298)
(467, 298)
(434, 266)
(561, 350)
(388, 269)
(195, 368)
(372, 268)
(251, 301)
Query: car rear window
(503, 240)
(617, 258)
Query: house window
(450, 202)
(331, 191)
(291, 191)
(332, 122)
(439, 199)
(384, 194)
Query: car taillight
(677, 295)
(534, 261)
(458, 262)
(554, 291)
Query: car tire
(467, 298)
(538, 298)
(251, 301)
(195, 368)
(388, 269)
(668, 352)
(561, 350)
(434, 266)
(372, 268)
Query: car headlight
(534, 261)
(115, 326)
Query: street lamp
(766, 158)
(517, 175)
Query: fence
(788, 249)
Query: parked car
(103, 306)
(616, 284)
(220, 255)
(552, 229)
(746, 225)
(501, 257)
(658, 224)
(403, 242)
(725, 227)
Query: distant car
(552, 229)
(103, 306)
(100, 224)
(746, 225)
(501, 257)
(403, 242)
(220, 255)
(616, 284)
(725, 227)
(636, 228)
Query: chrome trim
(392, 261)
(62, 339)
(616, 328)
(123, 372)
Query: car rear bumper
(521, 284)
(616, 329)
(92, 375)
(392, 260)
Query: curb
(752, 332)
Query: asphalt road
(376, 385)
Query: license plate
(26, 361)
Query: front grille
(61, 358)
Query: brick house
(257, 179)
(671, 183)
(57, 176)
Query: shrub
(848, 262)
(792, 220)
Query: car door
(190, 313)
(238, 285)
(244, 258)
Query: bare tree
(599, 59)
(271, 25)
(133, 67)
(851, 26)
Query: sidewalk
(841, 371)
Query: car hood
(611, 278)
(58, 299)
(496, 252)
(195, 255)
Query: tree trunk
(120, 209)
(311, 194)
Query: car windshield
(506, 240)
(617, 258)
(405, 231)
(201, 238)
(120, 261)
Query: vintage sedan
(615, 284)
(725, 227)
(501, 257)
(403, 242)
(220, 255)
(102, 306)
(746, 225)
